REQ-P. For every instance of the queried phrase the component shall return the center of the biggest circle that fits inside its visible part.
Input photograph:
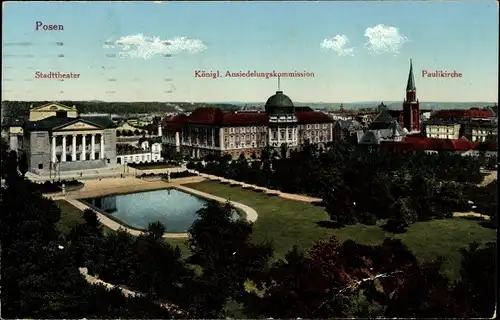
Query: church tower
(411, 108)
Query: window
(282, 134)
(225, 130)
(40, 166)
(289, 135)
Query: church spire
(410, 86)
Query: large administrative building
(213, 131)
(55, 137)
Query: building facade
(475, 124)
(148, 150)
(56, 138)
(442, 130)
(213, 131)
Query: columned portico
(101, 154)
(83, 157)
(92, 147)
(79, 147)
(73, 148)
(63, 158)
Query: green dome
(279, 103)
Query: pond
(172, 207)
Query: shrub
(368, 218)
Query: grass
(287, 223)
(70, 217)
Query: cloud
(144, 47)
(384, 39)
(338, 44)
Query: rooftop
(215, 116)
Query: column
(73, 148)
(286, 134)
(92, 147)
(269, 136)
(279, 135)
(84, 147)
(101, 155)
(63, 157)
(54, 149)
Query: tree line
(359, 184)
(16, 109)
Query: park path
(491, 175)
(291, 196)
(126, 292)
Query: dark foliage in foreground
(39, 277)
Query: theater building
(213, 131)
(55, 137)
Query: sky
(156, 51)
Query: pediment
(52, 107)
(79, 125)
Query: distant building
(213, 131)
(392, 132)
(462, 145)
(348, 130)
(55, 137)
(442, 129)
(477, 125)
(148, 150)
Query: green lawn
(288, 222)
(70, 217)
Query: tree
(475, 291)
(402, 216)
(156, 230)
(221, 246)
(284, 150)
(39, 276)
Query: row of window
(139, 158)
(442, 136)
(441, 130)
(256, 129)
(480, 132)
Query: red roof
(312, 117)
(420, 144)
(215, 116)
(174, 122)
(471, 113)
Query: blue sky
(357, 50)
